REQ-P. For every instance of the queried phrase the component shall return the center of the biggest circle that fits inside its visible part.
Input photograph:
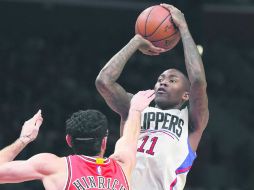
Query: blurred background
(52, 50)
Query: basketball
(156, 25)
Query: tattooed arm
(198, 100)
(113, 93)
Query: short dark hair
(87, 129)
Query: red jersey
(84, 173)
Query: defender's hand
(142, 99)
(31, 128)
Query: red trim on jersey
(179, 172)
(183, 170)
(93, 160)
(69, 173)
(173, 184)
(155, 131)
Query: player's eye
(172, 80)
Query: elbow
(100, 83)
(103, 79)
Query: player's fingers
(171, 8)
(38, 114)
(153, 51)
(174, 9)
(142, 92)
(34, 117)
(150, 53)
(167, 6)
(156, 49)
(38, 122)
(150, 98)
(139, 94)
(149, 93)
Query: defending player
(166, 148)
(87, 169)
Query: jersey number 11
(150, 150)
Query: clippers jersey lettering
(164, 155)
(84, 173)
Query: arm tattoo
(193, 61)
(114, 67)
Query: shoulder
(124, 159)
(47, 162)
(44, 157)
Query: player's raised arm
(29, 132)
(113, 93)
(199, 113)
(126, 146)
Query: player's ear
(186, 96)
(104, 144)
(68, 140)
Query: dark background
(51, 53)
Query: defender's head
(172, 89)
(87, 132)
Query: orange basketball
(155, 24)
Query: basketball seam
(166, 37)
(158, 26)
(147, 18)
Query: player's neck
(167, 107)
(100, 155)
(178, 106)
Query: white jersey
(164, 155)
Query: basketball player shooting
(86, 169)
(166, 148)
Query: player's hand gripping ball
(156, 25)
